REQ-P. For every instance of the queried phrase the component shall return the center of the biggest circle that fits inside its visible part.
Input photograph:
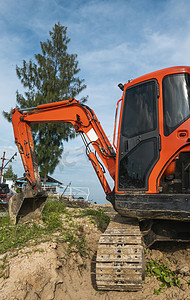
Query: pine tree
(52, 77)
(9, 173)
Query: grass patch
(51, 228)
(54, 206)
(99, 216)
(75, 242)
(3, 267)
(16, 236)
(4, 221)
(166, 277)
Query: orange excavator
(149, 163)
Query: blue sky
(115, 40)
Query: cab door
(139, 137)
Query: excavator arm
(84, 121)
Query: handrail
(114, 134)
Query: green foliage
(9, 173)
(4, 221)
(3, 266)
(51, 76)
(52, 214)
(16, 236)
(12, 237)
(53, 221)
(99, 214)
(52, 228)
(75, 241)
(53, 206)
(164, 274)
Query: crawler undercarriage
(120, 263)
(120, 259)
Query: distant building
(10, 182)
(50, 185)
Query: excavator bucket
(27, 205)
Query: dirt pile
(47, 272)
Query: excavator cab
(153, 156)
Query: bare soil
(47, 272)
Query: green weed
(3, 266)
(98, 215)
(4, 221)
(52, 221)
(75, 242)
(164, 274)
(17, 236)
(12, 237)
(54, 206)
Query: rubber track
(120, 256)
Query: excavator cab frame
(153, 150)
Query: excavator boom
(84, 121)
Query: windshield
(176, 101)
(139, 112)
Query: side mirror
(121, 86)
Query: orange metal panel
(171, 145)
